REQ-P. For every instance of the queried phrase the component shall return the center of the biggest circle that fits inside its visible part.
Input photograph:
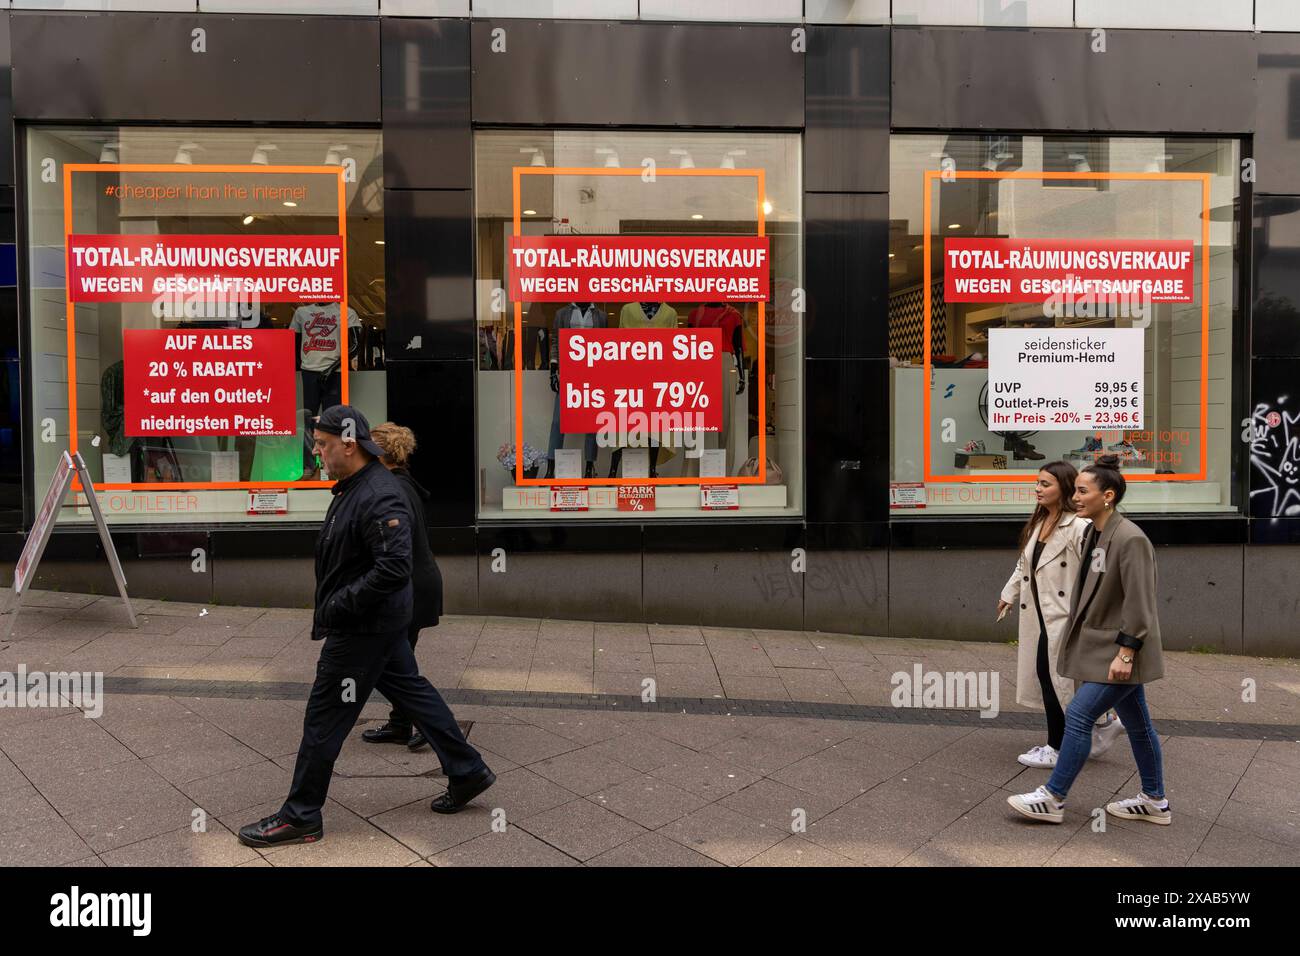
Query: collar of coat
(343, 484)
(1055, 543)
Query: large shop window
(1063, 299)
(639, 344)
(187, 294)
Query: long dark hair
(1064, 473)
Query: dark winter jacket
(363, 557)
(425, 576)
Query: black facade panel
(143, 67)
(11, 375)
(846, 106)
(1275, 316)
(589, 73)
(436, 401)
(847, 438)
(6, 107)
(1275, 531)
(1275, 439)
(847, 275)
(429, 269)
(1277, 137)
(425, 85)
(1146, 80)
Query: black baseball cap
(336, 418)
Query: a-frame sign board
(25, 569)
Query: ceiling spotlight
(954, 225)
(248, 220)
(685, 162)
(379, 242)
(539, 158)
(1080, 162)
(530, 212)
(1159, 163)
(259, 154)
(334, 155)
(108, 154)
(891, 255)
(767, 207)
(290, 204)
(697, 215)
(183, 152)
(611, 157)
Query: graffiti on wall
(1273, 434)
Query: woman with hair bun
(398, 444)
(1112, 648)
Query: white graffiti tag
(1274, 440)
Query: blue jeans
(1091, 701)
(557, 439)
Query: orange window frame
(1204, 178)
(760, 178)
(68, 170)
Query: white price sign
(1065, 379)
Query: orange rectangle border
(760, 176)
(944, 175)
(68, 170)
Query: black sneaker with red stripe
(275, 830)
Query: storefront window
(665, 379)
(186, 291)
(1077, 300)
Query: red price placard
(638, 498)
(1036, 270)
(209, 382)
(628, 268)
(651, 381)
(140, 268)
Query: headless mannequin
(585, 315)
(644, 315)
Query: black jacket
(363, 557)
(425, 576)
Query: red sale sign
(1039, 270)
(209, 382)
(636, 268)
(112, 268)
(647, 381)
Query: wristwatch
(1127, 659)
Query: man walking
(363, 607)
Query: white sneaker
(1104, 737)
(1040, 758)
(1141, 808)
(1039, 805)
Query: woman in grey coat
(1112, 648)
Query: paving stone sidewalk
(784, 751)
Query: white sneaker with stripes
(1141, 808)
(1043, 757)
(1039, 805)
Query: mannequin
(644, 315)
(575, 315)
(720, 315)
(318, 334)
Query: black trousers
(350, 667)
(1051, 703)
(319, 391)
(399, 718)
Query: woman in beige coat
(1112, 647)
(1050, 546)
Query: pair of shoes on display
(1043, 806)
(1128, 452)
(1087, 452)
(461, 791)
(1021, 449)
